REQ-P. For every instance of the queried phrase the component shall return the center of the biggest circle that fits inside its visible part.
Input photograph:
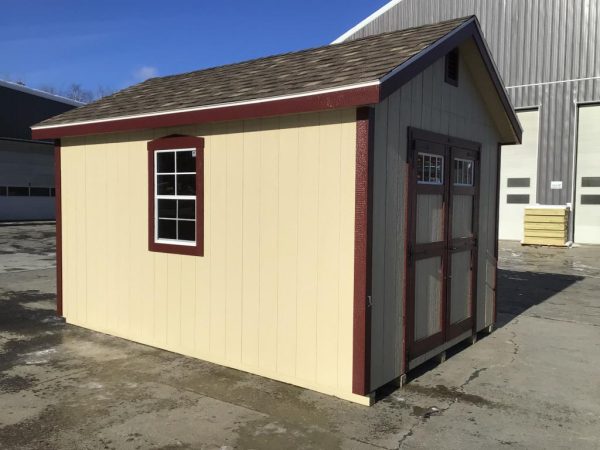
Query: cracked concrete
(532, 383)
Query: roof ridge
(312, 49)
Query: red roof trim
(331, 100)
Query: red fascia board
(360, 96)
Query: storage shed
(325, 218)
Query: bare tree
(103, 91)
(76, 92)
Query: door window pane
(463, 172)
(430, 168)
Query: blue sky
(117, 43)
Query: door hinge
(369, 301)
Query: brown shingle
(331, 66)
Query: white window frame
(175, 197)
(472, 172)
(432, 183)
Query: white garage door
(518, 177)
(587, 201)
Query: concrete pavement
(533, 383)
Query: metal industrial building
(26, 165)
(548, 53)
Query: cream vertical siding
(273, 294)
(426, 102)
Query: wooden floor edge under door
(433, 178)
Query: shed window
(430, 168)
(463, 172)
(176, 195)
(451, 75)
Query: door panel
(462, 239)
(518, 177)
(460, 287)
(442, 237)
(428, 297)
(430, 220)
(587, 198)
(462, 216)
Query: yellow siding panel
(308, 205)
(346, 252)
(287, 246)
(273, 293)
(269, 164)
(251, 244)
(328, 241)
(218, 219)
(121, 207)
(202, 318)
(81, 225)
(161, 307)
(235, 152)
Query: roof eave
(343, 97)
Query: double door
(442, 246)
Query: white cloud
(145, 72)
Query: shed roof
(356, 69)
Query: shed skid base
(439, 352)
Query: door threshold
(439, 349)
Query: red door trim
(361, 345)
(413, 349)
(58, 218)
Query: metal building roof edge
(39, 93)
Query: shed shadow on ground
(518, 291)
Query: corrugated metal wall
(543, 48)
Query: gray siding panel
(533, 42)
(429, 103)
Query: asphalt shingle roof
(331, 66)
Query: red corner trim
(341, 99)
(171, 143)
(58, 214)
(362, 261)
